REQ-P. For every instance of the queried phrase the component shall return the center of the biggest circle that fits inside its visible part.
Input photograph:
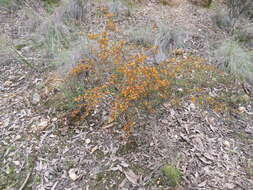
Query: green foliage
(71, 89)
(5, 2)
(55, 39)
(172, 174)
(51, 2)
(50, 5)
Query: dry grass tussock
(235, 59)
(168, 39)
(162, 36)
(143, 36)
(52, 33)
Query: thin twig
(55, 185)
(22, 58)
(26, 180)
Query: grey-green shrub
(231, 57)
(68, 58)
(244, 34)
(168, 39)
(223, 20)
(10, 5)
(118, 8)
(141, 36)
(238, 7)
(55, 32)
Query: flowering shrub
(130, 85)
(130, 81)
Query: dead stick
(26, 180)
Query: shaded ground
(39, 151)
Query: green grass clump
(141, 36)
(222, 20)
(51, 2)
(172, 174)
(6, 3)
(167, 39)
(235, 59)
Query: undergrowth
(235, 59)
(127, 85)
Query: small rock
(7, 83)
(17, 163)
(87, 141)
(6, 122)
(167, 105)
(36, 98)
(124, 164)
(226, 144)
(180, 90)
(192, 106)
(72, 174)
(165, 121)
(242, 109)
(54, 119)
(249, 130)
(18, 137)
(43, 124)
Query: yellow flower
(93, 36)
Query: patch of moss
(6, 3)
(172, 174)
(99, 154)
(107, 180)
(129, 147)
(50, 5)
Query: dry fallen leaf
(87, 141)
(94, 149)
(36, 98)
(43, 124)
(72, 174)
(131, 176)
